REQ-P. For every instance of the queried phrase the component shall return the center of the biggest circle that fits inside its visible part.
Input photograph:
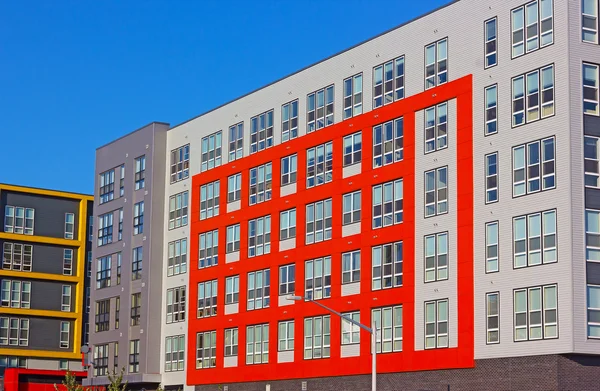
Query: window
(118, 255)
(351, 208)
(177, 257)
(17, 256)
(257, 344)
(103, 272)
(261, 132)
(16, 294)
(134, 356)
(532, 27)
(260, 183)
(318, 221)
(232, 289)
(436, 128)
(236, 141)
(68, 262)
(107, 186)
(436, 324)
(436, 192)
(211, 151)
(534, 237)
(259, 236)
(319, 165)
(259, 288)
(317, 337)
(388, 82)
(209, 200)
(491, 37)
(100, 360)
(589, 21)
(102, 318)
(491, 247)
(289, 168)
(233, 238)
(12, 362)
(387, 266)
(66, 298)
(14, 331)
(136, 263)
(590, 89)
(592, 235)
(105, 229)
(136, 304)
(234, 187)
(436, 63)
(64, 335)
(538, 176)
(353, 96)
(287, 224)
(350, 331)
(122, 181)
(492, 305)
(491, 178)
(206, 349)
(231, 342)
(287, 279)
(140, 172)
(120, 225)
(69, 225)
(536, 314)
(286, 336)
(180, 163)
(289, 121)
(175, 353)
(208, 253)
(593, 311)
(388, 204)
(353, 149)
(388, 143)
(178, 210)
(18, 220)
(527, 109)
(138, 218)
(176, 304)
(319, 109)
(491, 110)
(317, 278)
(207, 299)
(388, 322)
(63, 365)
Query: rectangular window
(532, 27)
(388, 82)
(100, 360)
(14, 331)
(491, 247)
(140, 172)
(388, 203)
(436, 192)
(491, 42)
(317, 337)
(286, 336)
(17, 256)
(138, 218)
(259, 289)
(590, 89)
(232, 289)
(287, 224)
(388, 142)
(122, 181)
(175, 353)
(536, 313)
(261, 179)
(134, 356)
(105, 229)
(233, 238)
(68, 262)
(491, 178)
(69, 225)
(257, 344)
(66, 298)
(289, 121)
(236, 141)
(353, 149)
(350, 331)
(207, 299)
(103, 272)
(319, 109)
(492, 305)
(102, 317)
(534, 167)
(211, 151)
(234, 187)
(535, 105)
(318, 221)
(176, 304)
(178, 210)
(387, 266)
(117, 311)
(180, 163)
(136, 263)
(353, 96)
(287, 279)
(436, 128)
(177, 262)
(351, 267)
(118, 255)
(136, 305)
(491, 110)
(259, 236)
(289, 168)
(436, 63)
(206, 350)
(64, 334)
(107, 186)
(261, 132)
(317, 275)
(436, 257)
(319, 165)
(120, 225)
(592, 235)
(593, 311)
(231, 342)
(534, 237)
(351, 208)
(388, 322)
(589, 21)
(208, 252)
(436, 324)
(16, 294)
(209, 200)
(18, 220)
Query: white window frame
(208, 248)
(320, 109)
(436, 256)
(317, 278)
(388, 204)
(534, 329)
(234, 187)
(65, 328)
(206, 356)
(319, 211)
(287, 224)
(520, 26)
(69, 225)
(394, 277)
(352, 149)
(17, 256)
(177, 257)
(492, 319)
(492, 255)
(353, 102)
(259, 236)
(257, 344)
(351, 207)
(388, 323)
(66, 298)
(211, 156)
(210, 195)
(68, 261)
(438, 202)
(261, 131)
(233, 238)
(317, 334)
(231, 342)
(491, 42)
(180, 163)
(178, 210)
(535, 86)
(258, 290)
(592, 234)
(590, 88)
(388, 82)
(589, 21)
(289, 121)
(350, 331)
(439, 338)
(491, 178)
(176, 298)
(261, 184)
(524, 162)
(174, 353)
(236, 141)
(232, 289)
(285, 336)
(491, 110)
(289, 169)
(436, 63)
(319, 164)
(287, 279)
(388, 142)
(207, 299)
(436, 127)
(351, 267)
(593, 312)
(532, 228)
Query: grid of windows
(206, 349)
(261, 179)
(259, 236)
(287, 279)
(176, 304)
(436, 324)
(107, 186)
(105, 229)
(180, 163)
(388, 82)
(234, 187)
(534, 167)
(351, 208)
(436, 257)
(436, 192)
(529, 104)
(209, 200)
(136, 263)
(257, 344)
(491, 110)
(236, 141)
(261, 132)
(319, 165)
(134, 356)
(317, 278)
(136, 305)
(17, 256)
(178, 210)
(317, 337)
(289, 168)
(103, 271)
(211, 151)
(140, 172)
(593, 311)
(534, 237)
(388, 323)
(353, 87)
(232, 289)
(14, 331)
(592, 235)
(352, 149)
(138, 218)
(492, 306)
(289, 121)
(287, 224)
(350, 331)
(436, 128)
(532, 27)
(16, 294)
(174, 353)
(259, 289)
(388, 203)
(18, 220)
(351, 267)
(491, 42)
(491, 177)
(318, 221)
(102, 317)
(286, 336)
(590, 89)
(231, 342)
(319, 109)
(100, 360)
(177, 262)
(208, 251)
(233, 238)
(536, 313)
(436, 63)
(388, 142)
(207, 299)
(589, 21)
(387, 266)
(491, 247)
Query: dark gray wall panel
(47, 295)
(592, 198)
(44, 334)
(593, 273)
(47, 258)
(591, 125)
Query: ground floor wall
(532, 373)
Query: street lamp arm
(362, 326)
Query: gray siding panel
(47, 295)
(47, 258)
(591, 125)
(593, 273)
(44, 334)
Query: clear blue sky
(76, 74)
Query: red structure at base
(20, 379)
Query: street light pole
(371, 330)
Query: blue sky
(76, 74)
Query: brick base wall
(532, 373)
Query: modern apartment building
(440, 180)
(45, 249)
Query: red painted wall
(13, 379)
(408, 359)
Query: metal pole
(374, 370)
